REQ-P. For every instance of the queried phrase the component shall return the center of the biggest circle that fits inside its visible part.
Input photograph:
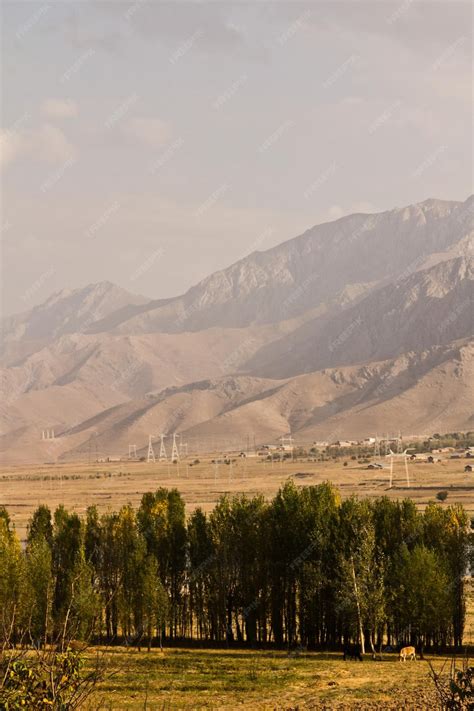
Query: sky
(151, 143)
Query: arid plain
(111, 485)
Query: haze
(152, 143)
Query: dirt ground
(110, 485)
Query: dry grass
(111, 485)
(261, 680)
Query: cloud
(108, 26)
(337, 211)
(416, 25)
(173, 23)
(50, 144)
(78, 23)
(11, 146)
(365, 207)
(59, 108)
(46, 143)
(151, 131)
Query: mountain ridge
(365, 317)
(289, 275)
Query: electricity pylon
(163, 457)
(175, 450)
(151, 452)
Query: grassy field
(266, 680)
(110, 485)
(262, 680)
(228, 679)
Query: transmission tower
(287, 442)
(175, 450)
(151, 452)
(163, 457)
(132, 451)
(183, 447)
(376, 447)
(399, 443)
(93, 448)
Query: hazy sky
(151, 143)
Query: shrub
(442, 495)
(45, 680)
(455, 690)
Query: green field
(261, 680)
(267, 680)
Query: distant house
(468, 468)
(265, 450)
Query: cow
(407, 653)
(353, 651)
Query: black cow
(353, 651)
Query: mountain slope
(111, 368)
(68, 311)
(416, 393)
(429, 307)
(306, 271)
(360, 325)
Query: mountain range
(357, 326)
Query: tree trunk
(372, 646)
(359, 617)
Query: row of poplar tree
(303, 569)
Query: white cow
(407, 653)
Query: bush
(45, 680)
(442, 495)
(455, 690)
